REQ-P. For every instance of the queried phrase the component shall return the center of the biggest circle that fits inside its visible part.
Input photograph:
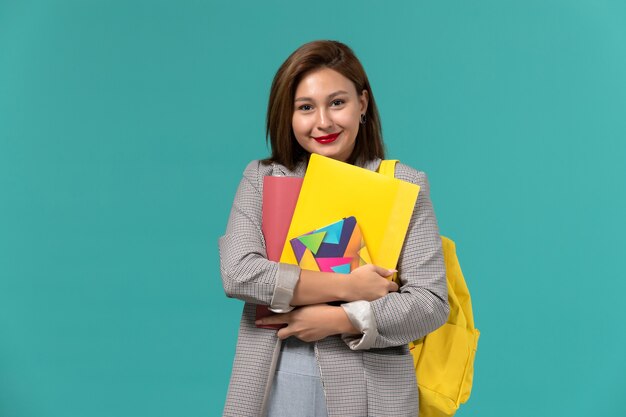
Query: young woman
(329, 360)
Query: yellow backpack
(444, 359)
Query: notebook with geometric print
(338, 247)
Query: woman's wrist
(314, 287)
(344, 288)
(343, 323)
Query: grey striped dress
(359, 380)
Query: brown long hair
(311, 56)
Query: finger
(284, 333)
(393, 287)
(383, 272)
(273, 319)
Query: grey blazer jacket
(359, 380)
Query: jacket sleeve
(246, 272)
(421, 305)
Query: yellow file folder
(332, 190)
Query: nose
(324, 120)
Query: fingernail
(393, 271)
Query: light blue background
(125, 127)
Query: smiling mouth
(328, 138)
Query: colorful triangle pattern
(333, 232)
(341, 269)
(364, 255)
(312, 241)
(308, 261)
(327, 264)
(338, 247)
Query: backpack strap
(388, 167)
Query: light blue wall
(124, 130)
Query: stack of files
(333, 190)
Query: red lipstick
(328, 138)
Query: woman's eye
(305, 107)
(337, 102)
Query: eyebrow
(336, 93)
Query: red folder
(280, 195)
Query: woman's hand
(312, 323)
(368, 283)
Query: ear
(364, 99)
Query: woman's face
(326, 115)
